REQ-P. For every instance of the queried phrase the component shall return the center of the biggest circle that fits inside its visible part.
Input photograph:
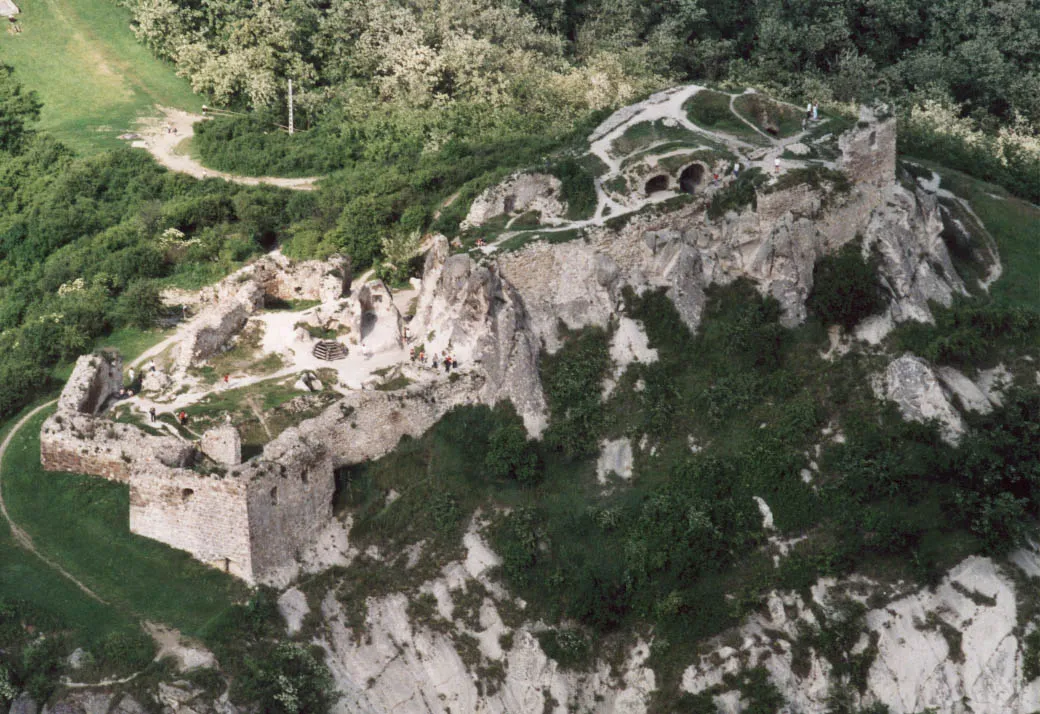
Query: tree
(511, 456)
(140, 305)
(19, 108)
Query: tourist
(808, 110)
(815, 110)
(447, 364)
(776, 165)
(422, 358)
(411, 355)
(183, 418)
(129, 393)
(227, 377)
(151, 413)
(435, 361)
(715, 179)
(131, 373)
(122, 394)
(736, 170)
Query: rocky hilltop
(672, 216)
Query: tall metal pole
(290, 109)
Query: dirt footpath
(156, 137)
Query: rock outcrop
(775, 245)
(952, 649)
(912, 384)
(516, 195)
(470, 311)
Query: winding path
(20, 536)
(161, 143)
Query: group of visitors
(448, 360)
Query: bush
(845, 288)
(509, 455)
(289, 680)
(572, 379)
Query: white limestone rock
(615, 457)
(292, 604)
(912, 384)
(518, 194)
(970, 396)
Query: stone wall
(250, 522)
(222, 444)
(868, 151)
(204, 515)
(519, 193)
(367, 424)
(85, 444)
(322, 280)
(289, 494)
(94, 379)
(216, 324)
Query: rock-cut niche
(657, 183)
(691, 178)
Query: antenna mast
(290, 109)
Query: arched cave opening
(691, 178)
(657, 183)
(186, 494)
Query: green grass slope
(82, 523)
(93, 76)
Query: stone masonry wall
(368, 424)
(289, 492)
(869, 150)
(323, 280)
(84, 444)
(94, 379)
(218, 323)
(250, 522)
(204, 515)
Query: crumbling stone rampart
(249, 522)
(74, 439)
(222, 444)
(368, 424)
(322, 280)
(85, 444)
(868, 151)
(211, 330)
(94, 379)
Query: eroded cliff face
(467, 310)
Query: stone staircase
(329, 350)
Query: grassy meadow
(94, 78)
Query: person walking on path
(776, 165)
(151, 413)
(183, 418)
(815, 111)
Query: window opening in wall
(873, 140)
(274, 496)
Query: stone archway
(655, 184)
(691, 178)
